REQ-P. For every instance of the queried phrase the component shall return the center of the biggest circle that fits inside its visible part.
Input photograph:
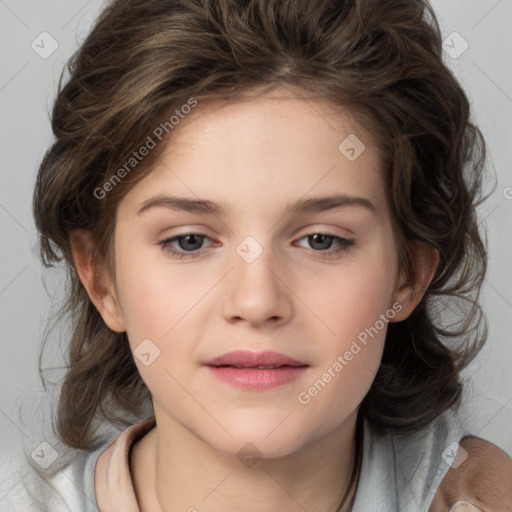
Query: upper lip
(247, 359)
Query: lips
(262, 360)
(256, 371)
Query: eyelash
(345, 244)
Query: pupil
(183, 242)
(319, 237)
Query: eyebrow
(302, 206)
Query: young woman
(264, 206)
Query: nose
(257, 291)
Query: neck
(172, 469)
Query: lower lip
(255, 378)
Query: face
(315, 285)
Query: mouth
(261, 360)
(260, 367)
(256, 370)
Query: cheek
(354, 297)
(158, 303)
(339, 388)
(350, 361)
(356, 308)
(153, 299)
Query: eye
(321, 242)
(190, 244)
(187, 243)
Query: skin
(483, 480)
(255, 155)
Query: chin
(265, 438)
(253, 448)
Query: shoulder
(54, 478)
(481, 474)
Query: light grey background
(27, 89)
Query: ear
(409, 291)
(95, 280)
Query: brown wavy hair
(381, 59)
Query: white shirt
(398, 473)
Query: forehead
(263, 116)
(273, 147)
